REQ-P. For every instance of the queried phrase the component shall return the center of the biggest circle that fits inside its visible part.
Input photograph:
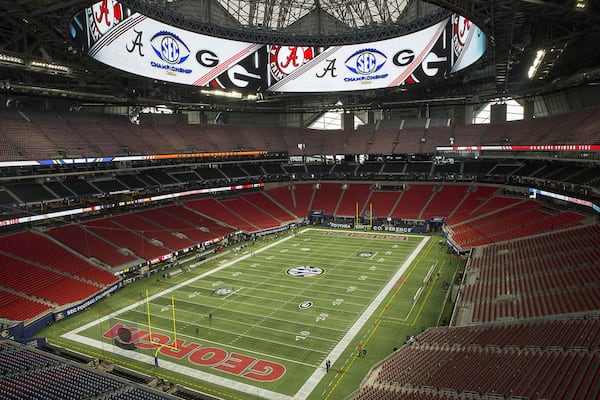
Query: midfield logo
(365, 254)
(305, 270)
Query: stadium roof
(36, 33)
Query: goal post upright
(174, 324)
(161, 345)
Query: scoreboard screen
(126, 40)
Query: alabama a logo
(283, 60)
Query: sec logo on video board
(366, 61)
(169, 47)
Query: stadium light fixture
(539, 56)
(49, 66)
(11, 59)
(232, 94)
(580, 4)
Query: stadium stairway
(268, 194)
(259, 219)
(210, 207)
(262, 202)
(434, 191)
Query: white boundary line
(310, 383)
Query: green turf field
(261, 323)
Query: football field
(263, 323)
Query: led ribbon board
(131, 42)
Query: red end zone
(212, 357)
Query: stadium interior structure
(82, 142)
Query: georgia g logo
(169, 47)
(366, 61)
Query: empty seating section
(30, 192)
(303, 194)
(495, 204)
(492, 217)
(474, 199)
(527, 374)
(544, 359)
(109, 185)
(51, 135)
(284, 196)
(252, 138)
(444, 201)
(174, 140)
(26, 140)
(208, 228)
(413, 200)
(19, 308)
(333, 142)
(553, 274)
(357, 142)
(49, 383)
(214, 209)
(281, 138)
(382, 140)
(233, 171)
(562, 334)
(153, 139)
(30, 374)
(42, 283)
(355, 193)
(409, 141)
(50, 254)
(383, 202)
(90, 245)
(126, 136)
(255, 216)
(326, 198)
(165, 219)
(467, 135)
(524, 218)
(312, 141)
(252, 170)
(123, 238)
(263, 202)
(436, 136)
(140, 224)
(92, 140)
(194, 136)
(80, 187)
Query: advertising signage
(131, 42)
